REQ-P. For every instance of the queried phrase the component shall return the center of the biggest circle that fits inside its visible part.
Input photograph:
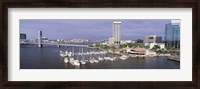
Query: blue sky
(91, 29)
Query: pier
(174, 58)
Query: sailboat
(83, 60)
(62, 54)
(66, 60)
(91, 59)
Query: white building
(111, 41)
(141, 52)
(153, 40)
(116, 32)
(162, 45)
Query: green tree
(156, 48)
(133, 45)
(113, 48)
(139, 41)
(122, 45)
(147, 47)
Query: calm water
(32, 57)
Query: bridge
(77, 45)
(40, 43)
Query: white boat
(111, 59)
(91, 60)
(106, 58)
(100, 59)
(66, 60)
(96, 61)
(114, 58)
(71, 60)
(76, 63)
(62, 54)
(123, 57)
(83, 62)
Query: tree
(113, 48)
(156, 47)
(132, 45)
(122, 45)
(139, 41)
(147, 47)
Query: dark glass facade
(22, 36)
(172, 35)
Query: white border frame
(182, 74)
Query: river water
(32, 57)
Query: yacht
(123, 57)
(62, 54)
(92, 61)
(106, 58)
(76, 63)
(100, 59)
(83, 62)
(96, 61)
(71, 60)
(66, 60)
(111, 59)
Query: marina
(98, 51)
(49, 57)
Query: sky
(93, 29)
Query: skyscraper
(172, 34)
(39, 38)
(116, 32)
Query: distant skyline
(93, 29)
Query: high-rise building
(172, 34)
(116, 32)
(153, 39)
(22, 36)
(39, 38)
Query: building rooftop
(139, 49)
(117, 22)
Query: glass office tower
(172, 34)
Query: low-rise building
(153, 40)
(151, 45)
(141, 52)
(111, 41)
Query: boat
(66, 60)
(92, 61)
(123, 57)
(76, 63)
(62, 54)
(96, 61)
(100, 59)
(107, 58)
(83, 62)
(112, 59)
